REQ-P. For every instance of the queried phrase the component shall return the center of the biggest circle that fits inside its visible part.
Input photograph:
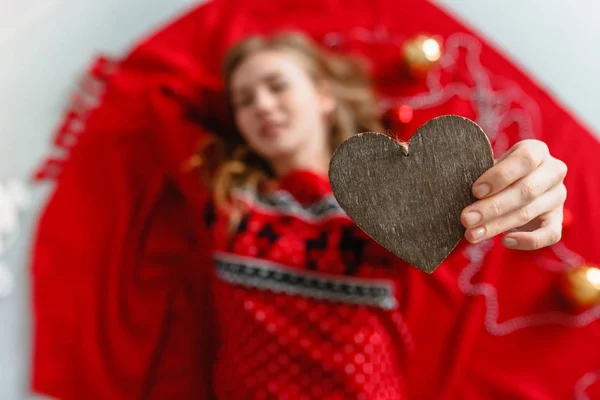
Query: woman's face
(279, 109)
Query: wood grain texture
(411, 203)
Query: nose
(264, 102)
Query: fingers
(548, 202)
(520, 194)
(522, 159)
(548, 234)
(524, 189)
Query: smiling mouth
(270, 130)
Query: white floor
(557, 41)
(46, 43)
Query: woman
(308, 306)
(301, 303)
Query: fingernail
(472, 218)
(510, 242)
(478, 233)
(481, 190)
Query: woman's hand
(523, 193)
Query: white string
(476, 255)
(498, 102)
(585, 382)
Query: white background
(45, 44)
(556, 41)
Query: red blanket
(120, 293)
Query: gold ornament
(421, 54)
(581, 286)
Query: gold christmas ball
(581, 286)
(421, 54)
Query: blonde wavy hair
(356, 111)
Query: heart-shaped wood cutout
(409, 197)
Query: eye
(278, 86)
(243, 100)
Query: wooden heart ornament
(409, 196)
